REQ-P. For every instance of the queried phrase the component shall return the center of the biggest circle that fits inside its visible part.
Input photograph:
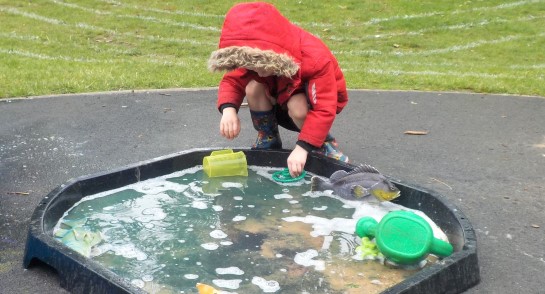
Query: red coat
(260, 25)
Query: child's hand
(297, 160)
(230, 123)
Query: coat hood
(256, 35)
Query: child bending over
(288, 76)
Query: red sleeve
(232, 88)
(322, 91)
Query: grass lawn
(73, 46)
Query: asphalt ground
(484, 153)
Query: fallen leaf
(416, 132)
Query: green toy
(283, 176)
(403, 237)
(368, 249)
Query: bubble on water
(191, 276)
(147, 278)
(210, 246)
(306, 259)
(151, 214)
(226, 243)
(217, 208)
(266, 286)
(250, 205)
(218, 234)
(239, 218)
(285, 190)
(293, 201)
(126, 250)
(181, 241)
(229, 284)
(320, 208)
(285, 210)
(233, 270)
(283, 196)
(138, 283)
(199, 205)
(238, 198)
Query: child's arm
(230, 123)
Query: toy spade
(403, 237)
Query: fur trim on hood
(231, 58)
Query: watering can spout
(440, 248)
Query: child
(288, 76)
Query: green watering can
(403, 237)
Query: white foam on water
(199, 205)
(191, 276)
(238, 198)
(155, 185)
(283, 196)
(285, 210)
(147, 278)
(266, 286)
(323, 226)
(152, 214)
(233, 270)
(306, 259)
(239, 218)
(210, 246)
(229, 284)
(232, 185)
(218, 234)
(320, 208)
(293, 201)
(138, 283)
(128, 251)
(226, 243)
(369, 207)
(217, 208)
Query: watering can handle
(440, 248)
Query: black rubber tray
(78, 274)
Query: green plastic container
(403, 237)
(224, 163)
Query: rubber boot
(266, 126)
(330, 149)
